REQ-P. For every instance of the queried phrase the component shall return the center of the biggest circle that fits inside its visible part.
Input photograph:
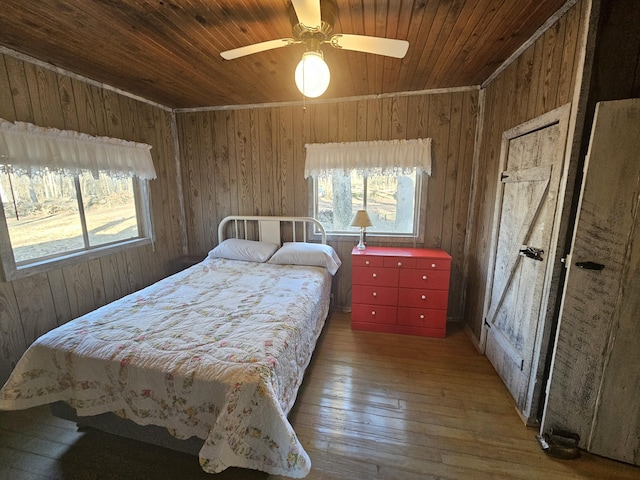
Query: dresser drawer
(422, 278)
(421, 317)
(420, 298)
(374, 295)
(383, 277)
(400, 262)
(373, 314)
(367, 261)
(434, 263)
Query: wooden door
(595, 380)
(528, 196)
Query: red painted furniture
(400, 290)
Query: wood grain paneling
(170, 51)
(34, 305)
(542, 79)
(267, 147)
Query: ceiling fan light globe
(312, 75)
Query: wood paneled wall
(251, 161)
(542, 78)
(34, 305)
(616, 64)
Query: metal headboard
(270, 228)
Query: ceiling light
(312, 74)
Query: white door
(594, 388)
(527, 200)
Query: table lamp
(362, 220)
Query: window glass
(390, 201)
(49, 214)
(109, 208)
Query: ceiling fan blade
(363, 43)
(256, 48)
(308, 12)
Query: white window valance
(386, 156)
(31, 149)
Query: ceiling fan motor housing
(312, 24)
(313, 36)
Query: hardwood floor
(373, 406)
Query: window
(50, 214)
(391, 200)
(67, 196)
(382, 177)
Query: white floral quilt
(217, 351)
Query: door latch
(532, 252)
(590, 265)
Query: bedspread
(217, 351)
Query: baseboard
(474, 340)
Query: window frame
(420, 209)
(12, 271)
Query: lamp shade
(361, 219)
(312, 74)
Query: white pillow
(246, 250)
(313, 254)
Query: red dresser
(400, 290)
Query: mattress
(217, 351)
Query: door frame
(555, 271)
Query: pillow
(313, 254)
(245, 250)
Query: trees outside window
(391, 201)
(50, 216)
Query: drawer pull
(424, 297)
(421, 316)
(374, 294)
(433, 265)
(373, 313)
(424, 277)
(399, 264)
(366, 262)
(374, 275)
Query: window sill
(375, 239)
(14, 272)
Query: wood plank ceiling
(168, 51)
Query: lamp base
(361, 245)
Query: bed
(207, 361)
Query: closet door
(595, 380)
(529, 195)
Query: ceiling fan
(312, 25)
